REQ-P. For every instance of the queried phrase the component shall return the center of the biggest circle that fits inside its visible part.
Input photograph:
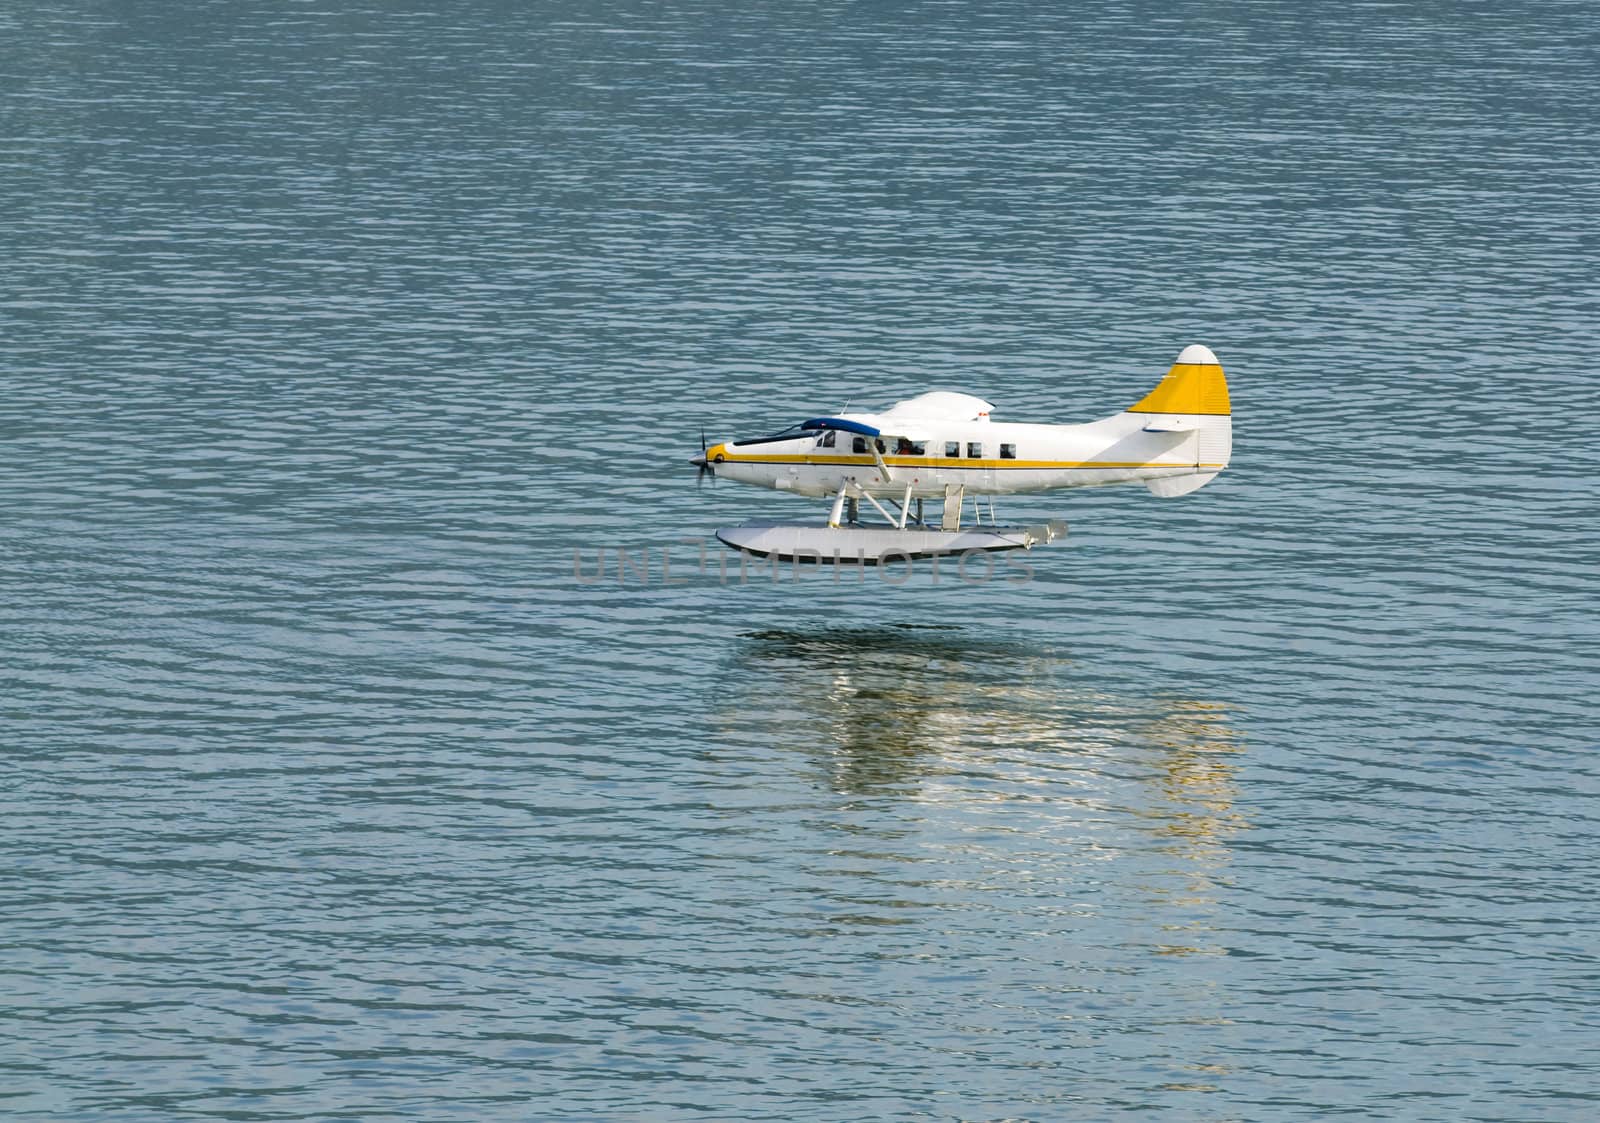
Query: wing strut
(878, 456)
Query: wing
(887, 427)
(843, 424)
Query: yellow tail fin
(1194, 385)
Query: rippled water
(329, 335)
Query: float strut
(887, 517)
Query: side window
(952, 448)
(975, 450)
(827, 438)
(1008, 452)
(858, 444)
(907, 447)
(882, 448)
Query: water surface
(328, 335)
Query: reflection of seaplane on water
(943, 446)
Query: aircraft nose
(698, 461)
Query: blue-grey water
(329, 334)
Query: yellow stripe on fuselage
(955, 463)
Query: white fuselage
(983, 457)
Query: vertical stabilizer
(1192, 397)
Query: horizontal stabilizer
(1169, 486)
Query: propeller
(705, 467)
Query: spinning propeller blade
(705, 468)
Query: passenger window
(906, 447)
(975, 450)
(858, 444)
(952, 448)
(919, 448)
(827, 438)
(882, 448)
(1008, 452)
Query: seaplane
(947, 447)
